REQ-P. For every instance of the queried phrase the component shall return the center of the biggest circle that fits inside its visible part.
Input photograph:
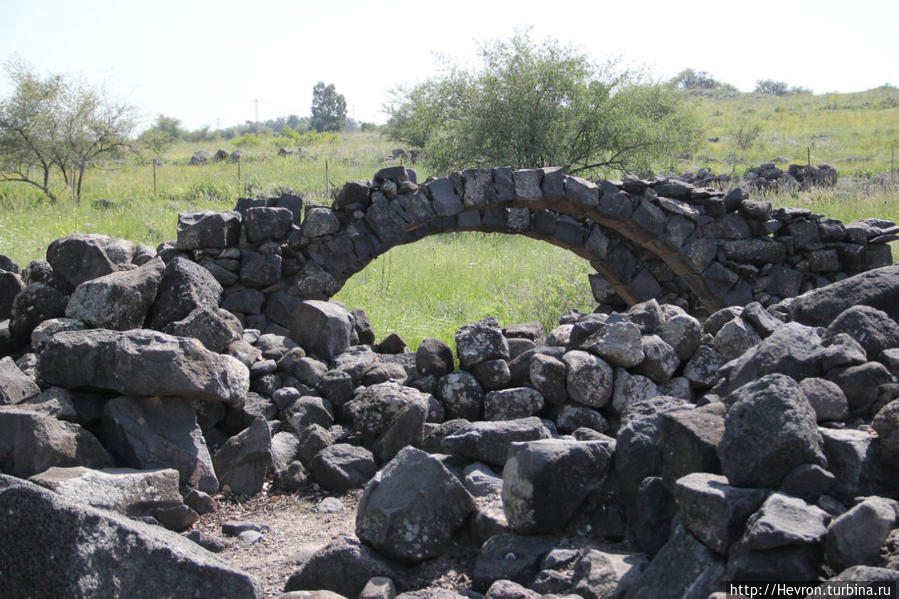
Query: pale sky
(207, 61)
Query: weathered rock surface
(243, 461)
(490, 441)
(344, 566)
(124, 490)
(412, 507)
(97, 553)
(142, 363)
(119, 300)
(15, 385)
(160, 433)
(545, 481)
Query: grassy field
(430, 288)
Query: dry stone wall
(691, 246)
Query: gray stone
(32, 442)
(544, 482)
(683, 568)
(650, 514)
(481, 480)
(886, 425)
(76, 538)
(855, 538)
(783, 520)
(602, 574)
(461, 395)
(630, 388)
(119, 300)
(772, 408)
(177, 518)
(434, 357)
(799, 563)
(571, 417)
(198, 229)
(878, 288)
(323, 329)
(259, 270)
(265, 223)
(860, 384)
(412, 507)
(547, 375)
(509, 556)
(512, 404)
(589, 380)
(159, 433)
(492, 374)
(319, 221)
(185, 286)
(377, 406)
(761, 319)
(15, 385)
(714, 510)
(735, 338)
(826, 398)
(874, 329)
(10, 285)
(851, 457)
(407, 428)
(481, 341)
(489, 442)
(243, 461)
(142, 362)
(793, 350)
(32, 306)
(681, 332)
(344, 566)
(42, 333)
(702, 369)
(618, 342)
(129, 492)
(80, 257)
(808, 482)
(660, 361)
(689, 443)
(341, 467)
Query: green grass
(430, 288)
(854, 133)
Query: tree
(328, 108)
(771, 87)
(530, 105)
(156, 142)
(30, 129)
(697, 81)
(165, 127)
(55, 123)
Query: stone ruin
(768, 177)
(637, 451)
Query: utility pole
(256, 102)
(218, 124)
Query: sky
(216, 63)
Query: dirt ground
(298, 527)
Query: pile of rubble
(641, 453)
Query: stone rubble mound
(639, 452)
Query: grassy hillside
(432, 287)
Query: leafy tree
(57, 123)
(166, 127)
(31, 130)
(156, 142)
(771, 87)
(328, 108)
(530, 105)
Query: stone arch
(645, 238)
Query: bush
(248, 140)
(530, 105)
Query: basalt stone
(589, 378)
(259, 270)
(544, 482)
(793, 350)
(860, 384)
(154, 432)
(783, 520)
(341, 467)
(10, 285)
(798, 563)
(683, 567)
(826, 398)
(651, 514)
(852, 458)
(509, 556)
(198, 229)
(512, 404)
(32, 306)
(548, 376)
(215, 328)
(374, 409)
(660, 360)
(855, 538)
(492, 374)
(702, 369)
(878, 288)
(80, 257)
(735, 338)
(481, 341)
(319, 221)
(75, 538)
(142, 363)
(15, 385)
(714, 510)
(407, 428)
(322, 328)
(434, 357)
(412, 507)
(344, 566)
(619, 343)
(886, 425)
(874, 329)
(123, 490)
(682, 332)
(243, 461)
(461, 395)
(773, 408)
(185, 286)
(808, 482)
(489, 442)
(33, 442)
(631, 388)
(689, 443)
(261, 224)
